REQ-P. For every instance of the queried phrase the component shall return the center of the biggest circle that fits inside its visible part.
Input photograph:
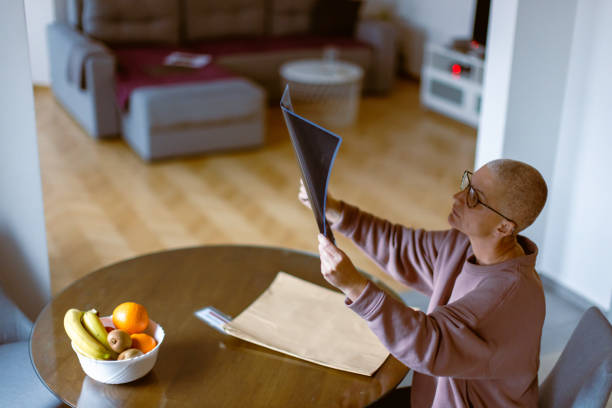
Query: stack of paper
(310, 322)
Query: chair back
(582, 377)
(14, 325)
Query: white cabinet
(451, 83)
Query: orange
(143, 342)
(131, 317)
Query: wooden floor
(103, 204)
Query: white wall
(525, 76)
(39, 13)
(546, 92)
(440, 21)
(578, 231)
(497, 80)
(23, 245)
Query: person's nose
(458, 196)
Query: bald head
(523, 192)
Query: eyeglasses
(472, 199)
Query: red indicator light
(456, 69)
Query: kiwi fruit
(119, 340)
(130, 353)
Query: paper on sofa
(187, 59)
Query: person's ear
(506, 228)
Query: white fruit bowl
(122, 371)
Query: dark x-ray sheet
(315, 148)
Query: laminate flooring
(103, 204)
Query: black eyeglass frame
(467, 175)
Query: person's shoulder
(520, 292)
(504, 277)
(516, 281)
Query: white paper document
(186, 59)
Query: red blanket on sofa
(139, 66)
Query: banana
(94, 326)
(84, 342)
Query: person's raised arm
(452, 340)
(406, 254)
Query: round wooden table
(197, 366)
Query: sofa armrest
(382, 37)
(82, 78)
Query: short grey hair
(524, 193)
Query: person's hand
(338, 269)
(332, 206)
(303, 195)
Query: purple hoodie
(478, 345)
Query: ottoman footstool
(184, 119)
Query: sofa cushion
(206, 19)
(335, 17)
(207, 102)
(167, 121)
(275, 44)
(134, 21)
(287, 17)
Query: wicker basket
(326, 92)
